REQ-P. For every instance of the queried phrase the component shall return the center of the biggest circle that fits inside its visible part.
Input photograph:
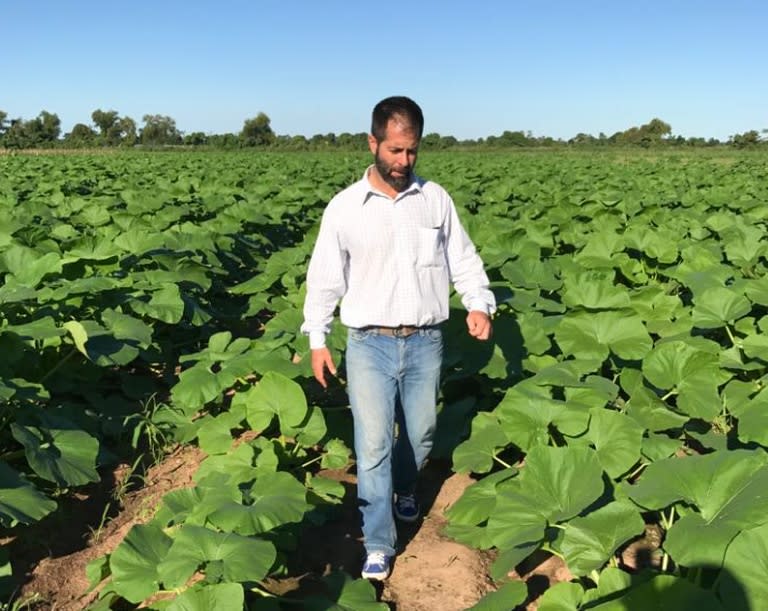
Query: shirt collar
(370, 191)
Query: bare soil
(430, 572)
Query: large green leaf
(562, 596)
(214, 434)
(100, 345)
(596, 335)
(44, 328)
(134, 563)
(20, 501)
(272, 500)
(656, 244)
(309, 431)
(196, 386)
(221, 597)
(231, 556)
(58, 451)
(589, 542)
(28, 266)
(555, 485)
(719, 306)
(165, 304)
(692, 374)
(663, 592)
(526, 417)
(508, 596)
(745, 244)
(127, 328)
(275, 395)
(478, 500)
(646, 407)
(617, 439)
(562, 480)
(743, 582)
(345, 594)
(594, 290)
(654, 305)
(477, 453)
(726, 489)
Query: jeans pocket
(434, 334)
(358, 335)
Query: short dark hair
(396, 106)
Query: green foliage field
(155, 299)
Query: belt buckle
(404, 331)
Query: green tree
(3, 117)
(125, 132)
(42, 131)
(746, 140)
(358, 141)
(650, 134)
(105, 120)
(516, 138)
(656, 128)
(48, 127)
(195, 139)
(257, 131)
(81, 136)
(582, 139)
(159, 130)
(322, 141)
(226, 141)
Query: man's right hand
(322, 360)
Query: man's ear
(373, 144)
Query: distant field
(153, 299)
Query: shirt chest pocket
(429, 247)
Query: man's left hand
(479, 325)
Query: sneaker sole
(374, 576)
(408, 519)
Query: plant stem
(668, 395)
(640, 467)
(309, 462)
(554, 552)
(667, 522)
(58, 365)
(281, 599)
(501, 462)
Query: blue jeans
(391, 381)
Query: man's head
(396, 128)
(400, 108)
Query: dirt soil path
(430, 573)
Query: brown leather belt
(401, 331)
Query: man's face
(395, 155)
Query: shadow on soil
(63, 532)
(337, 544)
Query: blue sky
(477, 68)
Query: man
(387, 248)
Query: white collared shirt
(390, 261)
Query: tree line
(109, 129)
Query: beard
(398, 183)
